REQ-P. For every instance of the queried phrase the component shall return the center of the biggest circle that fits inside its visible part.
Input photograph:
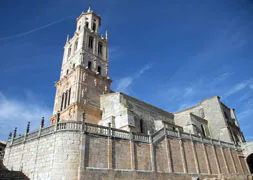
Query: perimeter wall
(72, 150)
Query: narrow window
(79, 28)
(69, 52)
(69, 96)
(100, 48)
(91, 42)
(62, 100)
(89, 65)
(141, 126)
(203, 130)
(65, 100)
(87, 24)
(76, 44)
(99, 70)
(67, 72)
(74, 65)
(94, 27)
(174, 129)
(226, 116)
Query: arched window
(141, 126)
(79, 27)
(76, 44)
(99, 70)
(69, 51)
(87, 24)
(91, 42)
(89, 65)
(100, 48)
(62, 101)
(203, 130)
(250, 162)
(74, 65)
(69, 96)
(65, 101)
(226, 115)
(67, 72)
(94, 27)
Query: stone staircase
(5, 174)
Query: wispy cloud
(16, 113)
(114, 53)
(238, 87)
(124, 83)
(221, 78)
(35, 29)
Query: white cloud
(124, 83)
(35, 29)
(221, 78)
(188, 91)
(237, 88)
(16, 113)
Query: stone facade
(125, 112)
(211, 118)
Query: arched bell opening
(250, 162)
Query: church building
(96, 133)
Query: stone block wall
(90, 154)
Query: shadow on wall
(250, 162)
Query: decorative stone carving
(95, 82)
(84, 76)
(83, 93)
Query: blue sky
(168, 53)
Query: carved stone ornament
(84, 77)
(95, 82)
(83, 92)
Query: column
(195, 156)
(83, 148)
(216, 158)
(132, 152)
(109, 153)
(207, 161)
(225, 160)
(152, 153)
(233, 161)
(182, 153)
(168, 151)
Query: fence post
(27, 130)
(14, 135)
(41, 125)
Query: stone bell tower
(84, 72)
